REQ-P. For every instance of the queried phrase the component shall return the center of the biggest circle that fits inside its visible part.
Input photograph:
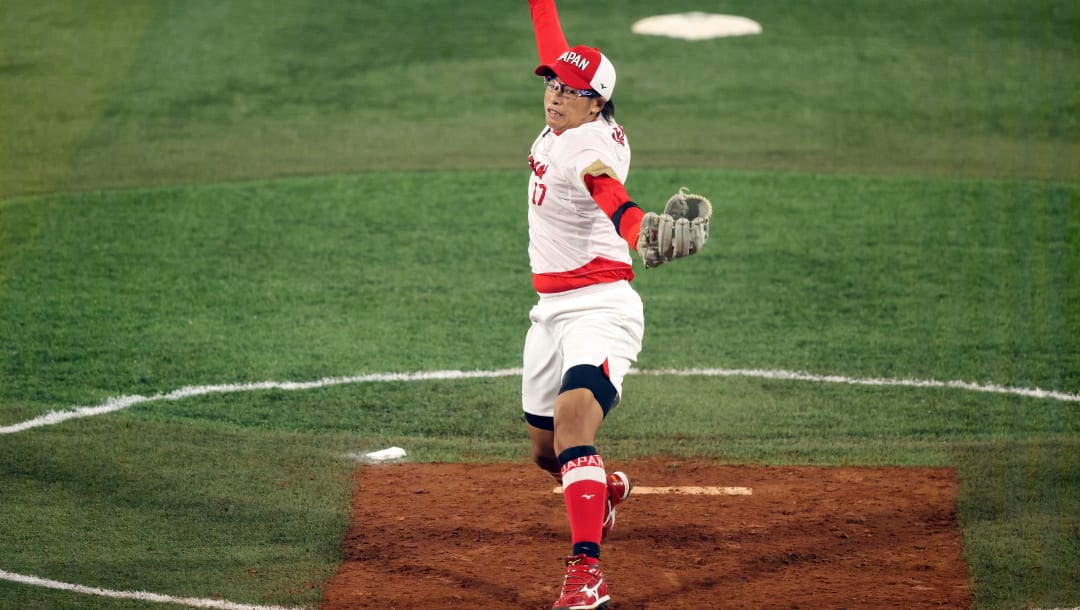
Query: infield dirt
(428, 536)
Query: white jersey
(572, 242)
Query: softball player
(588, 323)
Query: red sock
(585, 493)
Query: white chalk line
(123, 402)
(873, 381)
(193, 602)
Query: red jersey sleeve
(550, 41)
(611, 196)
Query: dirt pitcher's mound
(429, 536)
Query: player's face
(564, 108)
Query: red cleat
(618, 489)
(584, 587)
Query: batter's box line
(685, 490)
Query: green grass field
(197, 193)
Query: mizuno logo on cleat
(593, 590)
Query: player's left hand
(680, 231)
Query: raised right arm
(550, 41)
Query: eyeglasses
(554, 85)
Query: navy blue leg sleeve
(591, 378)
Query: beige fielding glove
(680, 231)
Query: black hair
(608, 111)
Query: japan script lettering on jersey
(619, 135)
(537, 168)
(539, 189)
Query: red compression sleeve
(611, 196)
(550, 41)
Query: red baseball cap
(583, 68)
